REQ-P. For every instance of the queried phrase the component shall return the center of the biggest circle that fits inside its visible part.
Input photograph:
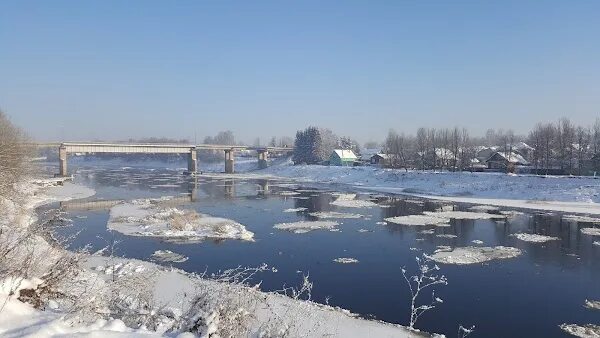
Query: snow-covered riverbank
(159, 300)
(550, 193)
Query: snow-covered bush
(426, 277)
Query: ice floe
(534, 238)
(446, 236)
(583, 219)
(473, 255)
(168, 256)
(295, 209)
(582, 331)
(590, 231)
(345, 260)
(462, 214)
(149, 218)
(306, 226)
(592, 304)
(289, 193)
(597, 243)
(477, 241)
(334, 214)
(354, 203)
(417, 220)
(483, 208)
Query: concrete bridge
(191, 150)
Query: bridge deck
(151, 148)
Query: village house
(380, 159)
(342, 157)
(501, 160)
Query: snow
(168, 256)
(592, 304)
(295, 209)
(147, 217)
(350, 201)
(354, 204)
(172, 291)
(301, 227)
(446, 236)
(590, 231)
(582, 219)
(582, 331)
(334, 214)
(483, 208)
(417, 220)
(473, 255)
(552, 193)
(534, 238)
(346, 260)
(463, 215)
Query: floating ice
(472, 255)
(583, 219)
(441, 248)
(592, 304)
(446, 236)
(476, 241)
(149, 218)
(306, 226)
(534, 238)
(168, 256)
(483, 208)
(289, 193)
(345, 260)
(590, 231)
(597, 243)
(463, 215)
(334, 214)
(295, 209)
(417, 220)
(585, 331)
(354, 203)
(427, 232)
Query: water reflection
(560, 274)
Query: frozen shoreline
(579, 195)
(307, 318)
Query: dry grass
(185, 220)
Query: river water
(526, 296)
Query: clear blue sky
(84, 70)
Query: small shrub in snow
(426, 278)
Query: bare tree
(583, 138)
(425, 278)
(13, 155)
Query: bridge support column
(264, 187)
(62, 161)
(229, 161)
(192, 162)
(263, 157)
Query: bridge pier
(229, 161)
(263, 158)
(192, 162)
(62, 161)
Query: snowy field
(552, 193)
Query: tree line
(552, 145)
